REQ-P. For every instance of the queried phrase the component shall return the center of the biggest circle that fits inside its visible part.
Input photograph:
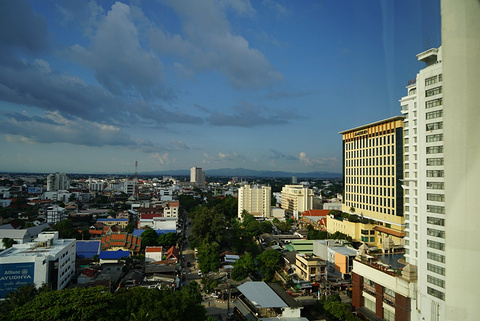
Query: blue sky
(91, 87)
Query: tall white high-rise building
(424, 186)
(296, 199)
(57, 182)
(461, 69)
(197, 175)
(256, 200)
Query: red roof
(316, 213)
(153, 249)
(149, 216)
(172, 252)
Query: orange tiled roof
(316, 213)
(153, 249)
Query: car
(199, 273)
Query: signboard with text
(14, 275)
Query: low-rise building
(310, 268)
(380, 293)
(47, 259)
(259, 300)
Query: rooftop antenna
(135, 181)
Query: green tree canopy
(66, 230)
(168, 239)
(269, 261)
(149, 238)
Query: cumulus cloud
(221, 157)
(279, 155)
(208, 43)
(118, 59)
(52, 127)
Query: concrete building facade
(424, 185)
(296, 199)
(373, 169)
(256, 200)
(47, 259)
(197, 176)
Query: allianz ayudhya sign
(14, 275)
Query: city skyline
(216, 84)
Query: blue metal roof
(159, 232)
(113, 255)
(87, 249)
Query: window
(431, 80)
(436, 269)
(436, 233)
(435, 185)
(434, 149)
(436, 257)
(436, 209)
(435, 245)
(434, 138)
(435, 293)
(434, 280)
(434, 114)
(433, 91)
(434, 103)
(436, 221)
(434, 126)
(434, 161)
(435, 173)
(388, 315)
(436, 197)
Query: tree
(149, 238)
(69, 304)
(243, 267)
(283, 226)
(129, 228)
(8, 242)
(209, 256)
(66, 230)
(168, 239)
(270, 261)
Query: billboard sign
(14, 275)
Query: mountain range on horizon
(243, 172)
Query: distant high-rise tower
(197, 176)
(57, 182)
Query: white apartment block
(56, 214)
(171, 209)
(57, 181)
(255, 199)
(197, 176)
(296, 199)
(424, 186)
(45, 260)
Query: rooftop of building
(45, 245)
(387, 120)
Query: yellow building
(309, 267)
(359, 232)
(373, 170)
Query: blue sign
(14, 275)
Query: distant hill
(242, 172)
